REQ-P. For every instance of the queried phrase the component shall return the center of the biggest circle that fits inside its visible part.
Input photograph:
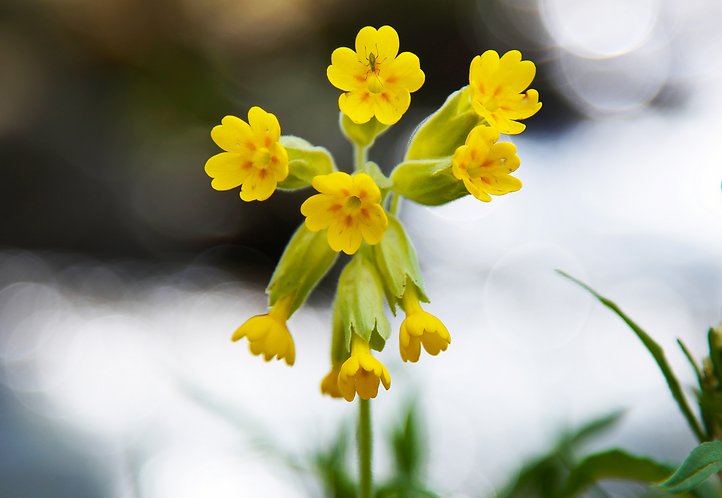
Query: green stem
(364, 448)
(359, 157)
(394, 203)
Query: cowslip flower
(268, 334)
(329, 384)
(496, 86)
(349, 207)
(362, 373)
(253, 157)
(375, 78)
(420, 328)
(484, 165)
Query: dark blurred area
(107, 108)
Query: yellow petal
(357, 105)
(404, 72)
(319, 212)
(373, 225)
(384, 43)
(233, 134)
(258, 186)
(483, 68)
(264, 125)
(228, 170)
(365, 188)
(522, 106)
(333, 183)
(346, 71)
(391, 104)
(515, 75)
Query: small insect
(373, 61)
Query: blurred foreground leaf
(657, 353)
(612, 464)
(702, 462)
(545, 476)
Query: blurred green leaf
(612, 464)
(657, 353)
(331, 467)
(544, 476)
(702, 462)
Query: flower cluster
(456, 152)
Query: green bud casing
(362, 135)
(446, 129)
(304, 162)
(306, 259)
(359, 302)
(397, 264)
(428, 181)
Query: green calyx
(359, 302)
(397, 264)
(446, 129)
(304, 162)
(306, 259)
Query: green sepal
(446, 129)
(304, 162)
(397, 264)
(427, 181)
(360, 302)
(362, 135)
(306, 259)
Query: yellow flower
(254, 158)
(329, 384)
(496, 90)
(350, 207)
(484, 165)
(375, 80)
(362, 373)
(268, 334)
(420, 327)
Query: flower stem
(359, 158)
(364, 449)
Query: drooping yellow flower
(375, 80)
(485, 165)
(420, 327)
(362, 373)
(253, 156)
(497, 86)
(350, 207)
(329, 384)
(268, 334)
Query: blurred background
(123, 274)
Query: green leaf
(612, 464)
(702, 462)
(714, 338)
(362, 135)
(304, 262)
(657, 353)
(397, 263)
(429, 181)
(446, 129)
(304, 162)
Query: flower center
(353, 202)
(491, 104)
(374, 83)
(262, 157)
